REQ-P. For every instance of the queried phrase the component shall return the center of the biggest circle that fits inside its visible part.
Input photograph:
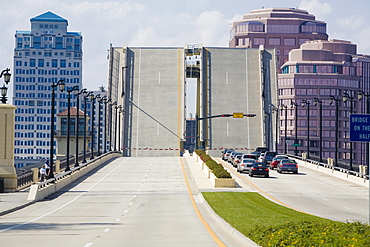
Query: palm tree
(101, 88)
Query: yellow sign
(238, 115)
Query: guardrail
(334, 168)
(43, 189)
(25, 175)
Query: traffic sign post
(359, 126)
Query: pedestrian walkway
(9, 202)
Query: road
(130, 202)
(311, 192)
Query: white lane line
(125, 211)
(324, 199)
(118, 219)
(106, 230)
(66, 204)
(88, 244)
(345, 208)
(135, 196)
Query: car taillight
(243, 165)
(237, 161)
(254, 169)
(266, 169)
(281, 165)
(296, 166)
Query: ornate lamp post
(307, 103)
(106, 103)
(331, 100)
(295, 105)
(282, 106)
(85, 123)
(315, 102)
(111, 124)
(92, 98)
(116, 131)
(4, 89)
(99, 120)
(119, 127)
(61, 85)
(276, 110)
(346, 96)
(77, 94)
(69, 91)
(360, 95)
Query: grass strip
(270, 224)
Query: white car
(245, 165)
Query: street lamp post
(92, 98)
(304, 103)
(111, 124)
(4, 88)
(360, 96)
(61, 85)
(295, 105)
(315, 102)
(115, 131)
(77, 94)
(69, 91)
(85, 123)
(119, 128)
(99, 106)
(282, 106)
(106, 103)
(276, 110)
(346, 96)
(331, 100)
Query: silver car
(245, 165)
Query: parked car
(262, 149)
(259, 168)
(226, 154)
(287, 165)
(237, 159)
(268, 156)
(245, 165)
(275, 161)
(251, 156)
(231, 157)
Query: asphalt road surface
(130, 202)
(312, 192)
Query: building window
(259, 41)
(274, 41)
(54, 63)
(41, 63)
(289, 42)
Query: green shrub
(217, 169)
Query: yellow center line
(260, 190)
(205, 223)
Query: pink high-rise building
(281, 28)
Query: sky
(158, 23)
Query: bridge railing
(341, 166)
(25, 175)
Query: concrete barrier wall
(41, 190)
(335, 173)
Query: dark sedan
(259, 168)
(287, 165)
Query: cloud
(211, 28)
(352, 23)
(320, 10)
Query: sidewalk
(10, 202)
